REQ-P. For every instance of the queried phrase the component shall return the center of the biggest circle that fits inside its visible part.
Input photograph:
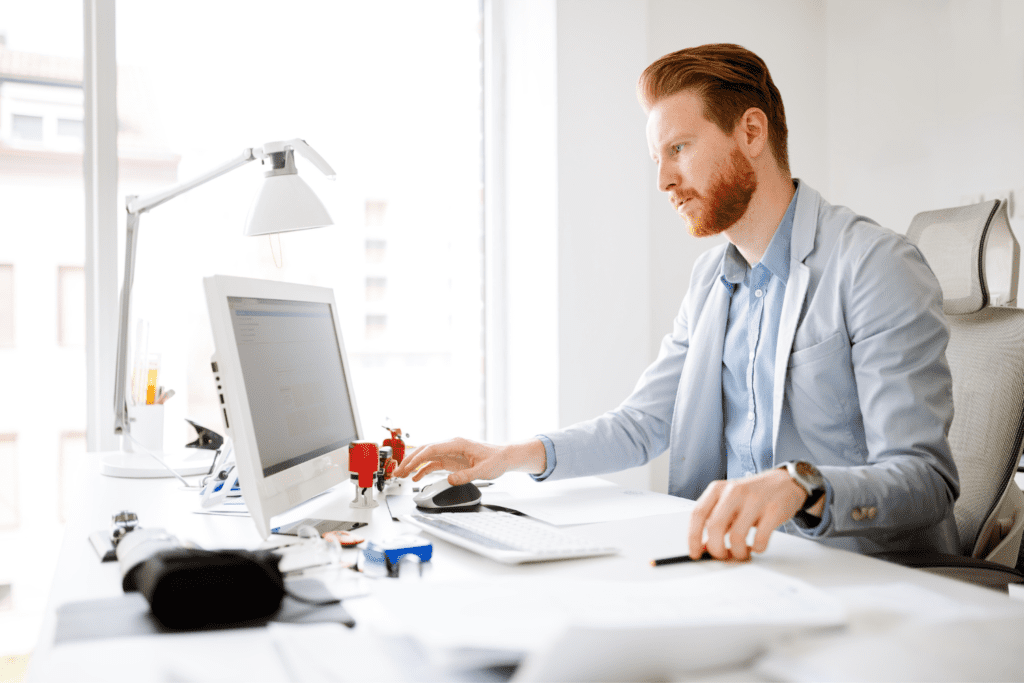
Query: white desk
(903, 624)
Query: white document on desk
(592, 502)
(526, 613)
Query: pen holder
(147, 427)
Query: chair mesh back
(952, 240)
(985, 353)
(986, 358)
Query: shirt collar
(776, 257)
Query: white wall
(925, 104)
(573, 215)
(603, 167)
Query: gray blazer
(862, 387)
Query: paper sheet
(594, 503)
(914, 634)
(525, 613)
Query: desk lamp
(284, 203)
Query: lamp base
(142, 466)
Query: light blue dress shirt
(748, 357)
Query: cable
(308, 601)
(158, 459)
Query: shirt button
(759, 293)
(751, 355)
(750, 415)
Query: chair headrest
(973, 253)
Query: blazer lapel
(805, 228)
(796, 290)
(697, 452)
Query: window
(8, 481)
(71, 306)
(376, 209)
(71, 128)
(376, 326)
(6, 304)
(376, 288)
(364, 84)
(376, 250)
(27, 127)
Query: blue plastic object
(387, 553)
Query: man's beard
(727, 200)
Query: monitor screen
(294, 379)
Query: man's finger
(764, 531)
(746, 518)
(431, 466)
(698, 516)
(464, 476)
(421, 455)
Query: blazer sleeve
(638, 430)
(898, 334)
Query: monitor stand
(334, 505)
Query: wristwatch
(808, 478)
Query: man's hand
(728, 509)
(468, 460)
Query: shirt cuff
(826, 516)
(549, 451)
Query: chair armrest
(970, 569)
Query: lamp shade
(285, 203)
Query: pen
(681, 558)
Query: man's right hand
(468, 460)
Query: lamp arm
(121, 425)
(136, 206)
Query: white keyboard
(507, 538)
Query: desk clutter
(800, 611)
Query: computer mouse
(441, 494)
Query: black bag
(188, 588)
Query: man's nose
(668, 177)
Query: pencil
(681, 558)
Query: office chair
(975, 257)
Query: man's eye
(679, 148)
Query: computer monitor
(285, 390)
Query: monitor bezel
(269, 496)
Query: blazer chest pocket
(837, 342)
(822, 394)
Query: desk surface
(903, 624)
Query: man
(804, 383)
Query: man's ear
(752, 132)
